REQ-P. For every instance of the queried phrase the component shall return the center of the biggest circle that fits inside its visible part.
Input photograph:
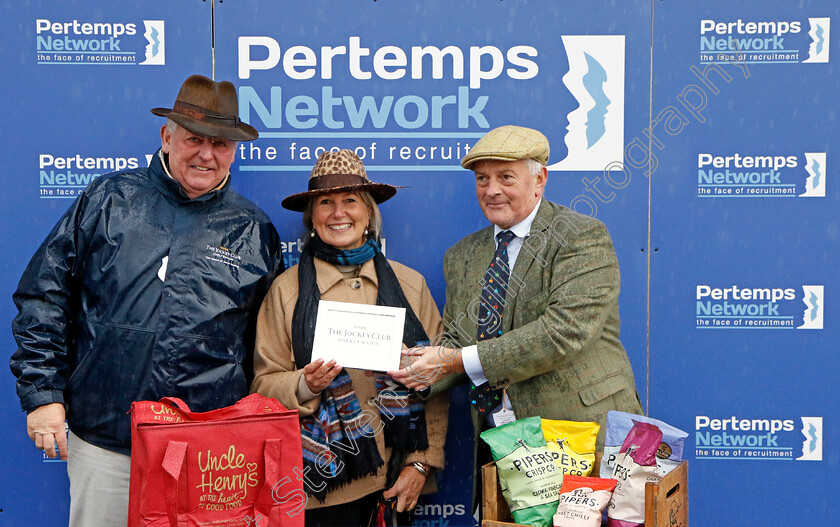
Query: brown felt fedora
(209, 109)
(340, 171)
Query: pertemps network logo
(156, 43)
(758, 439)
(812, 297)
(737, 307)
(820, 33)
(812, 429)
(596, 81)
(756, 41)
(815, 166)
(102, 43)
(759, 175)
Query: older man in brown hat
(531, 301)
(148, 286)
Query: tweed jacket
(559, 355)
(278, 376)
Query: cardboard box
(666, 502)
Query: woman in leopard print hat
(369, 443)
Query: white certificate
(359, 336)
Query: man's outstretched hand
(422, 367)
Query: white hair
(533, 166)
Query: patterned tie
(490, 314)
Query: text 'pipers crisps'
(529, 479)
(634, 466)
(573, 445)
(582, 501)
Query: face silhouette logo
(812, 316)
(815, 184)
(812, 445)
(820, 31)
(156, 45)
(595, 131)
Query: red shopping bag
(238, 466)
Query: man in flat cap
(148, 286)
(531, 300)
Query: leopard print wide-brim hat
(340, 171)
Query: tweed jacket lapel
(525, 260)
(484, 251)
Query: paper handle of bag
(177, 403)
(173, 462)
(265, 499)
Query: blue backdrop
(699, 133)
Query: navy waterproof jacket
(138, 293)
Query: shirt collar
(327, 275)
(521, 229)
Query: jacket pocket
(534, 306)
(602, 389)
(225, 348)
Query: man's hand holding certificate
(358, 335)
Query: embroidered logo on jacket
(223, 255)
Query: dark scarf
(335, 432)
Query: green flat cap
(509, 143)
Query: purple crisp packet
(634, 466)
(641, 443)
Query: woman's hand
(406, 489)
(318, 375)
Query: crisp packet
(668, 455)
(582, 501)
(573, 445)
(528, 476)
(634, 466)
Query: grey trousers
(98, 485)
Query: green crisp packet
(528, 476)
